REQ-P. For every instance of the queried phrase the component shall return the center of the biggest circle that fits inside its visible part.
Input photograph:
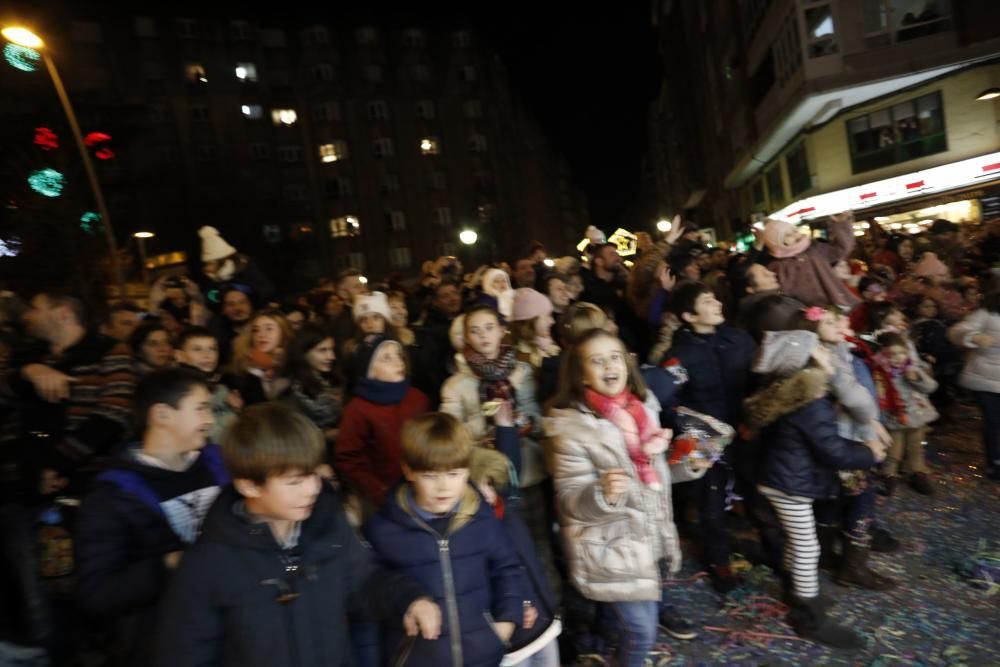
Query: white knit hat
(213, 246)
(783, 353)
(376, 303)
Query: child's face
(438, 491)
(844, 326)
(387, 365)
(371, 323)
(265, 335)
(896, 355)
(289, 496)
(321, 357)
(707, 311)
(543, 325)
(190, 422)
(558, 293)
(575, 286)
(295, 320)
(499, 284)
(398, 315)
(202, 353)
(483, 333)
(927, 309)
(896, 319)
(829, 329)
(157, 350)
(605, 369)
(791, 237)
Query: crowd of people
(477, 469)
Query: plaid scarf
(493, 374)
(643, 439)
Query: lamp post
(141, 238)
(26, 38)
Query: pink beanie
(529, 304)
(930, 265)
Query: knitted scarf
(382, 393)
(493, 374)
(643, 439)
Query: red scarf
(882, 373)
(643, 439)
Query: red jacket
(367, 449)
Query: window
(473, 109)
(399, 258)
(195, 73)
(425, 109)
(384, 147)
(820, 34)
(442, 216)
(352, 260)
(890, 21)
(300, 231)
(339, 187)
(327, 111)
(252, 111)
(797, 164)
(323, 72)
(333, 152)
(390, 183)
(413, 38)
(373, 73)
(166, 154)
(187, 28)
(438, 180)
(462, 39)
(396, 220)
(317, 35)
(145, 27)
(289, 153)
(294, 192)
(284, 117)
(775, 190)
(430, 146)
(207, 153)
(271, 233)
(378, 110)
(788, 49)
(246, 72)
(468, 74)
(905, 131)
(86, 32)
(260, 151)
(273, 38)
(477, 143)
(159, 113)
(200, 113)
(421, 73)
(366, 36)
(449, 249)
(345, 227)
(240, 30)
(483, 178)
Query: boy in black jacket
(147, 508)
(278, 567)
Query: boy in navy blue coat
(277, 568)
(439, 530)
(147, 508)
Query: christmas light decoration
(625, 241)
(21, 57)
(95, 138)
(46, 138)
(10, 247)
(47, 182)
(90, 222)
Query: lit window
(285, 117)
(252, 111)
(820, 31)
(195, 73)
(399, 258)
(333, 152)
(425, 109)
(246, 71)
(384, 147)
(345, 227)
(430, 146)
(378, 110)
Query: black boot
(824, 600)
(828, 537)
(854, 569)
(883, 542)
(810, 621)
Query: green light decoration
(90, 222)
(47, 182)
(21, 57)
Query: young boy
(198, 348)
(147, 508)
(278, 567)
(438, 529)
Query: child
(198, 348)
(277, 567)
(257, 357)
(399, 318)
(929, 334)
(531, 324)
(497, 292)
(578, 319)
(309, 368)
(613, 487)
(367, 455)
(803, 452)
(147, 509)
(903, 384)
(438, 530)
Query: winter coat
(470, 568)
(460, 398)
(802, 451)
(913, 397)
(367, 452)
(857, 403)
(718, 371)
(431, 353)
(930, 336)
(612, 551)
(239, 600)
(809, 276)
(982, 364)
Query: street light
(24, 37)
(141, 237)
(468, 237)
(664, 226)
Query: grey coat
(982, 364)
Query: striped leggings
(801, 546)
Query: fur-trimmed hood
(784, 396)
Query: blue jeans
(547, 657)
(638, 623)
(989, 403)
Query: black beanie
(361, 357)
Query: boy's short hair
(435, 442)
(168, 386)
(890, 338)
(271, 439)
(684, 296)
(190, 333)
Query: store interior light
(988, 94)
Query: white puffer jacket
(982, 364)
(612, 550)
